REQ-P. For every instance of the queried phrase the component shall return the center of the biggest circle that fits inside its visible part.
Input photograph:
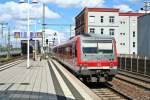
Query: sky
(57, 12)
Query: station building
(110, 22)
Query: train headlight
(111, 65)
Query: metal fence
(134, 63)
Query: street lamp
(3, 26)
(35, 28)
(28, 32)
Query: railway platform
(44, 80)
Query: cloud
(76, 3)
(12, 10)
(135, 1)
(123, 7)
(92, 3)
(60, 37)
(127, 1)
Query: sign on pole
(39, 34)
(24, 35)
(17, 34)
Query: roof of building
(146, 14)
(130, 14)
(110, 10)
(97, 10)
(102, 10)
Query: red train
(91, 58)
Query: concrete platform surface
(42, 81)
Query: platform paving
(42, 81)
(20, 83)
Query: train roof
(95, 36)
(88, 37)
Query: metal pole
(137, 64)
(131, 63)
(43, 29)
(120, 61)
(70, 30)
(35, 42)
(129, 35)
(125, 63)
(2, 26)
(28, 35)
(8, 48)
(145, 66)
(2, 29)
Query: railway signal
(46, 41)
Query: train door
(74, 53)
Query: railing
(135, 63)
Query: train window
(100, 47)
(105, 48)
(89, 47)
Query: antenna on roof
(146, 6)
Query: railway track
(106, 92)
(137, 80)
(9, 65)
(12, 60)
(130, 88)
(134, 75)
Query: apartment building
(110, 22)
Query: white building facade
(110, 22)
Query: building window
(111, 31)
(122, 33)
(111, 19)
(102, 31)
(92, 19)
(102, 19)
(133, 33)
(92, 30)
(133, 44)
(122, 22)
(133, 53)
(122, 44)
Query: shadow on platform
(29, 95)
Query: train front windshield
(97, 47)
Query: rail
(132, 86)
(9, 65)
(136, 80)
(106, 91)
